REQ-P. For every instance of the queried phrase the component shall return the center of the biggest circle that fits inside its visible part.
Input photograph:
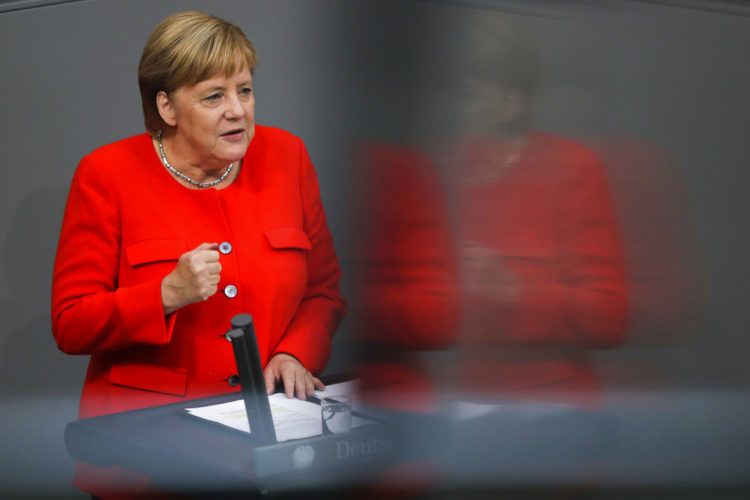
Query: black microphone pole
(251, 378)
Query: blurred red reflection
(543, 269)
(407, 276)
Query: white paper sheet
(292, 418)
(348, 388)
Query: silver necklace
(184, 177)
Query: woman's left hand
(297, 380)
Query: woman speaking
(170, 233)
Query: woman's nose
(234, 107)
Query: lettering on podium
(375, 446)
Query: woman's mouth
(234, 135)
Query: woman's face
(489, 108)
(213, 120)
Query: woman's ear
(166, 110)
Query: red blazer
(126, 223)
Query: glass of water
(337, 414)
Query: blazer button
(225, 247)
(230, 291)
(233, 380)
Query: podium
(181, 453)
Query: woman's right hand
(195, 278)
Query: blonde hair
(187, 48)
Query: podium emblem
(303, 456)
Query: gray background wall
(674, 74)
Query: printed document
(292, 418)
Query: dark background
(673, 75)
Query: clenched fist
(195, 278)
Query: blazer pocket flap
(149, 377)
(288, 237)
(148, 251)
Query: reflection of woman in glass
(543, 271)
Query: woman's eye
(246, 91)
(213, 98)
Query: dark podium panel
(180, 452)
(184, 453)
(166, 443)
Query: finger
(301, 384)
(207, 255)
(287, 375)
(206, 246)
(270, 380)
(318, 384)
(198, 261)
(211, 291)
(309, 387)
(213, 267)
